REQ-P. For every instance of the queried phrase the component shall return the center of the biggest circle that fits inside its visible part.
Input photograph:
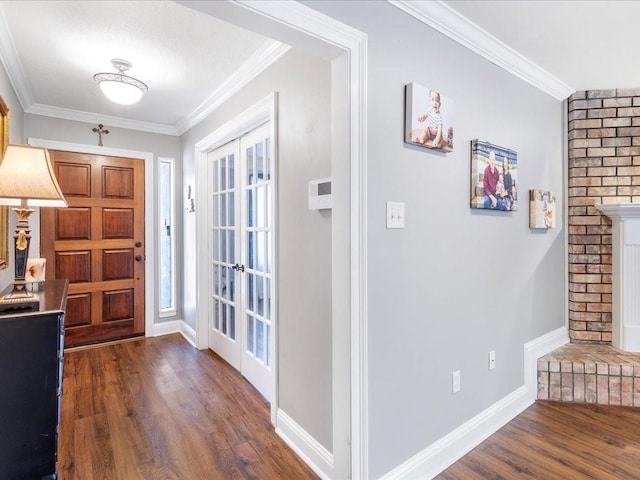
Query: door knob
(138, 258)
(238, 267)
(138, 244)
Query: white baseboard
(175, 326)
(453, 446)
(188, 333)
(319, 459)
(537, 348)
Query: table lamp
(26, 180)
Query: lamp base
(16, 297)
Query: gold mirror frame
(4, 215)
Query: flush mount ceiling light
(118, 87)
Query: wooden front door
(97, 243)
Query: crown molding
(11, 63)
(89, 117)
(451, 23)
(261, 59)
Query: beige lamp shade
(26, 174)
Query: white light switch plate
(395, 214)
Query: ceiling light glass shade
(118, 87)
(27, 178)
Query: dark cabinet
(31, 359)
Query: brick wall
(604, 167)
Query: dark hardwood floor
(558, 441)
(159, 409)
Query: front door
(240, 209)
(97, 243)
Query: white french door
(240, 188)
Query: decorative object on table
(542, 209)
(4, 211)
(100, 131)
(26, 180)
(428, 118)
(36, 268)
(494, 177)
(119, 87)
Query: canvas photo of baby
(35, 270)
(428, 118)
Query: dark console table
(31, 351)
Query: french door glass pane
(232, 285)
(231, 165)
(250, 250)
(223, 174)
(232, 247)
(259, 339)
(216, 281)
(216, 315)
(267, 342)
(250, 288)
(267, 167)
(269, 209)
(214, 210)
(232, 213)
(223, 282)
(259, 162)
(250, 209)
(260, 207)
(223, 210)
(250, 338)
(250, 173)
(259, 295)
(223, 245)
(224, 318)
(267, 293)
(232, 322)
(214, 176)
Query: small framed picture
(35, 270)
(428, 118)
(542, 209)
(494, 177)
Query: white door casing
(265, 111)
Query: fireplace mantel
(625, 219)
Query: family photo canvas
(428, 118)
(494, 177)
(542, 209)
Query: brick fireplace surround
(604, 168)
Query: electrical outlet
(455, 380)
(492, 359)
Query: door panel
(240, 216)
(257, 236)
(222, 208)
(92, 243)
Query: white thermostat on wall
(320, 194)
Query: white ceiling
(184, 56)
(192, 61)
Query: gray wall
(303, 84)
(456, 283)
(15, 136)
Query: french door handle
(238, 267)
